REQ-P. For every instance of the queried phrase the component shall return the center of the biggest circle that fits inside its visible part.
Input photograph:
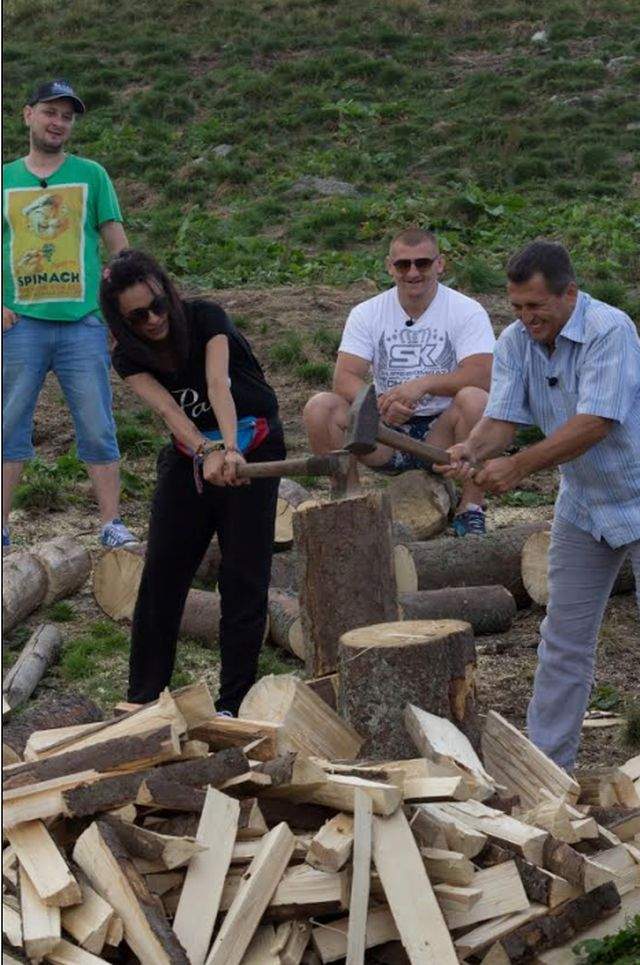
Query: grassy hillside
(445, 114)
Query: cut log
(47, 869)
(489, 609)
(331, 847)
(89, 922)
(514, 761)
(164, 850)
(527, 841)
(411, 898)
(450, 867)
(534, 566)
(42, 649)
(360, 883)
(492, 559)
(327, 688)
(63, 709)
(201, 618)
(610, 925)
(502, 894)
(607, 787)
(421, 502)
(285, 625)
(200, 897)
(435, 828)
(290, 495)
(474, 942)
(384, 667)
(40, 922)
(439, 740)
(284, 571)
(222, 732)
(405, 570)
(104, 860)
(252, 898)
(331, 941)
(66, 563)
(574, 867)
(345, 556)
(24, 588)
(307, 724)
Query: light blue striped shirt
(596, 362)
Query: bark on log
(285, 625)
(534, 563)
(421, 502)
(284, 571)
(24, 587)
(42, 648)
(290, 495)
(346, 573)
(492, 559)
(201, 617)
(62, 709)
(383, 668)
(67, 564)
(489, 609)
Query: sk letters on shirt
(593, 370)
(452, 328)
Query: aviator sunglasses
(157, 306)
(404, 264)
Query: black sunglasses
(404, 264)
(158, 306)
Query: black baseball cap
(52, 91)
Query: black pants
(182, 525)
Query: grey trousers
(581, 574)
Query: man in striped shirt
(570, 365)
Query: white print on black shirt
(411, 353)
(188, 402)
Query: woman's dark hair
(547, 258)
(130, 267)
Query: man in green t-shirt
(56, 210)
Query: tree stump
(535, 564)
(492, 559)
(42, 648)
(429, 663)
(285, 625)
(421, 502)
(345, 572)
(489, 609)
(290, 495)
(67, 564)
(24, 588)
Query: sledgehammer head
(364, 419)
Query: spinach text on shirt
(453, 327)
(251, 393)
(596, 368)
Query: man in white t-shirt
(430, 349)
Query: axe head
(364, 419)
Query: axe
(365, 429)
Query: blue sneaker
(224, 713)
(469, 523)
(116, 534)
(6, 539)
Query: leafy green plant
(287, 350)
(316, 373)
(327, 340)
(42, 488)
(620, 949)
(605, 697)
(524, 497)
(61, 612)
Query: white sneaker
(116, 533)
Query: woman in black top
(187, 361)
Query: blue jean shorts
(417, 427)
(78, 354)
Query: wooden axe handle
(329, 465)
(406, 443)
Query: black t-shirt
(188, 384)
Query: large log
(383, 668)
(24, 587)
(67, 564)
(420, 502)
(285, 625)
(492, 559)
(489, 609)
(41, 649)
(346, 572)
(534, 565)
(64, 709)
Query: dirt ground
(506, 663)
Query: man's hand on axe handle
(495, 475)
(462, 463)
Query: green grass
(523, 497)
(289, 349)
(605, 697)
(439, 115)
(135, 436)
(61, 612)
(49, 486)
(315, 373)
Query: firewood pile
(170, 835)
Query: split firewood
(222, 732)
(607, 787)
(542, 887)
(327, 688)
(47, 869)
(88, 923)
(331, 847)
(623, 822)
(67, 564)
(110, 870)
(361, 878)
(625, 867)
(534, 567)
(522, 767)
(251, 822)
(574, 867)
(489, 609)
(331, 941)
(333, 542)
(611, 924)
(67, 954)
(165, 852)
(290, 775)
(384, 667)
(42, 649)
(24, 587)
(285, 625)
(40, 922)
(303, 892)
(245, 850)
(552, 816)
(489, 933)
(307, 724)
(439, 740)
(421, 502)
(260, 950)
(527, 841)
(450, 867)
(436, 829)
(492, 559)
(501, 892)
(11, 925)
(290, 942)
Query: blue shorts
(78, 354)
(417, 427)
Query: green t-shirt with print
(51, 238)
